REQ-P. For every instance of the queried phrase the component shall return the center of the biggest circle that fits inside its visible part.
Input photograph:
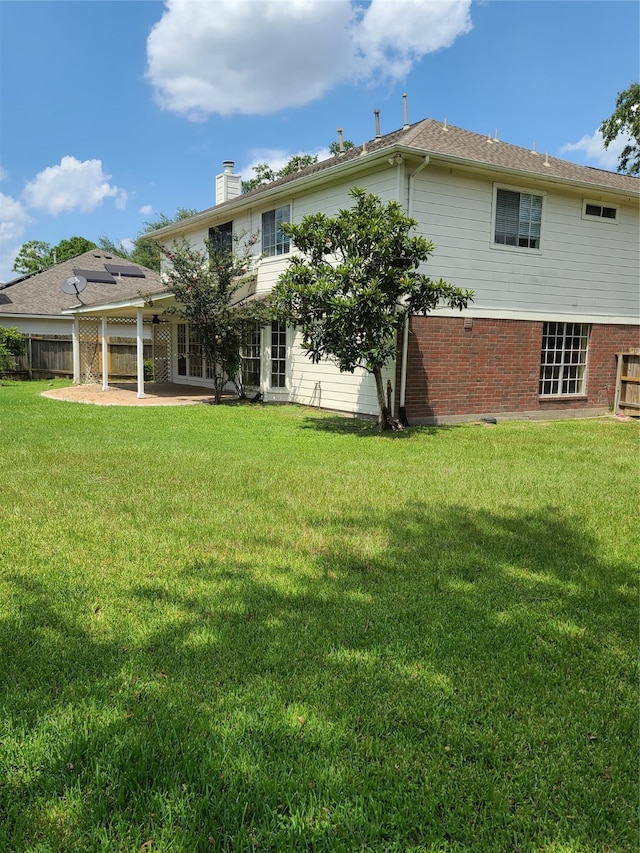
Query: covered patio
(92, 326)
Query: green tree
(264, 174)
(353, 284)
(145, 252)
(205, 283)
(11, 346)
(37, 255)
(334, 147)
(33, 256)
(625, 120)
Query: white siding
(583, 266)
(323, 385)
(38, 326)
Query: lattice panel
(90, 352)
(162, 352)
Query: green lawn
(251, 628)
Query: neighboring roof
(448, 143)
(39, 294)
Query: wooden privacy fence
(627, 400)
(52, 355)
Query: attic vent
(599, 211)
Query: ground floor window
(278, 355)
(564, 359)
(250, 355)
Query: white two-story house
(550, 249)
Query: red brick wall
(494, 367)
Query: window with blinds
(518, 219)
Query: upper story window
(518, 219)
(595, 210)
(221, 237)
(274, 241)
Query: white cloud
(391, 37)
(259, 56)
(594, 150)
(3, 174)
(13, 221)
(72, 185)
(146, 209)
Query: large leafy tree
(145, 252)
(205, 283)
(356, 278)
(36, 255)
(625, 121)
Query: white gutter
(405, 336)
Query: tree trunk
(384, 415)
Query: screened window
(564, 358)
(182, 349)
(599, 211)
(278, 355)
(221, 237)
(250, 355)
(274, 240)
(518, 219)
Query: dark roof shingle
(40, 293)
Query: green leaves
(205, 283)
(626, 121)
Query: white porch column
(140, 353)
(105, 355)
(75, 338)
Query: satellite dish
(74, 285)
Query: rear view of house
(549, 248)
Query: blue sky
(114, 112)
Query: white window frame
(279, 357)
(598, 217)
(281, 244)
(254, 346)
(562, 363)
(502, 247)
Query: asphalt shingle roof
(455, 144)
(40, 293)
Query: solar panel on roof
(129, 271)
(96, 275)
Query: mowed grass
(266, 628)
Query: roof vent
(340, 141)
(533, 149)
(376, 114)
(405, 112)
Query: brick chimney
(228, 185)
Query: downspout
(405, 336)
